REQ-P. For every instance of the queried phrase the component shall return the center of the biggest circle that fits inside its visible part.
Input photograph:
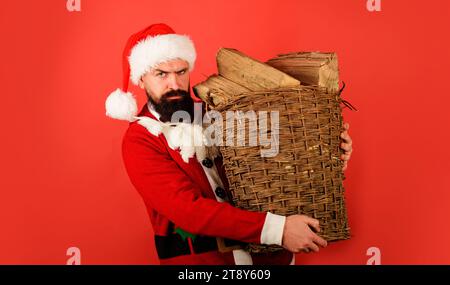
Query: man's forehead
(173, 65)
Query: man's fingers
(346, 147)
(319, 241)
(346, 137)
(344, 167)
(345, 157)
(313, 247)
(313, 223)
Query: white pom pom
(122, 106)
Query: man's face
(167, 87)
(167, 76)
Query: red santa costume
(183, 184)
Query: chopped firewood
(214, 89)
(311, 68)
(251, 73)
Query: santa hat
(144, 50)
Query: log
(250, 73)
(311, 68)
(216, 89)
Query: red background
(63, 183)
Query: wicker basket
(306, 176)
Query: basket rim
(231, 100)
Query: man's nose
(173, 82)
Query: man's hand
(346, 145)
(298, 236)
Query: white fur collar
(188, 138)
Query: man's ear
(141, 83)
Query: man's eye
(181, 72)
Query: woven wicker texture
(305, 177)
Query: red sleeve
(170, 192)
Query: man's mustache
(174, 93)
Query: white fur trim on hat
(122, 106)
(158, 49)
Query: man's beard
(166, 106)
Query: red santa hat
(144, 50)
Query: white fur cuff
(272, 232)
